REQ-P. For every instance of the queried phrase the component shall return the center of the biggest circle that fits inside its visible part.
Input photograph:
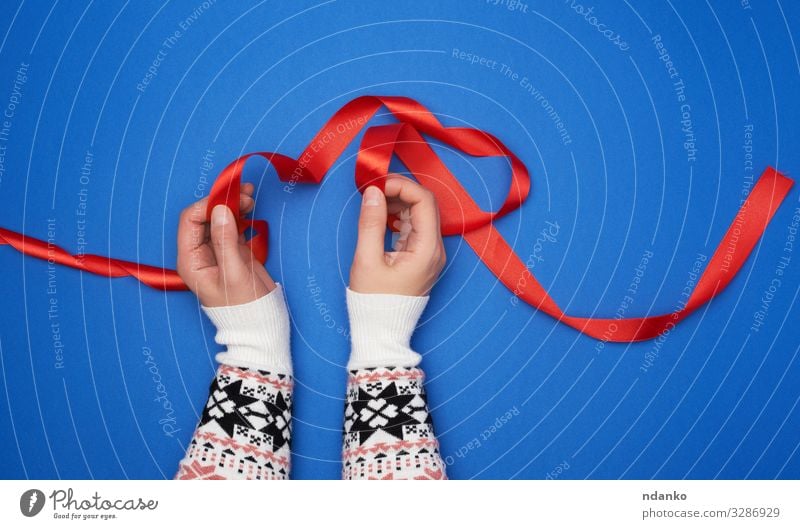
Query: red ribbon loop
(460, 214)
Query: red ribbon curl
(460, 214)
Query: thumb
(372, 226)
(225, 242)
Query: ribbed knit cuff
(255, 333)
(381, 326)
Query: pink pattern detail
(197, 471)
(390, 447)
(386, 374)
(285, 384)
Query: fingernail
(219, 215)
(372, 196)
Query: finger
(371, 226)
(256, 268)
(401, 225)
(246, 204)
(225, 243)
(196, 213)
(247, 188)
(424, 219)
(191, 230)
(201, 258)
(395, 205)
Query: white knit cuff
(381, 326)
(255, 333)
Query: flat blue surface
(598, 121)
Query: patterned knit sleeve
(388, 430)
(245, 429)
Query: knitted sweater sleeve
(245, 429)
(388, 430)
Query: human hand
(412, 267)
(213, 259)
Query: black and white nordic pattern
(254, 409)
(245, 430)
(386, 406)
(388, 430)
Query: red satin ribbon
(460, 215)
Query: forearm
(245, 429)
(388, 429)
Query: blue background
(720, 399)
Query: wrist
(256, 334)
(381, 326)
